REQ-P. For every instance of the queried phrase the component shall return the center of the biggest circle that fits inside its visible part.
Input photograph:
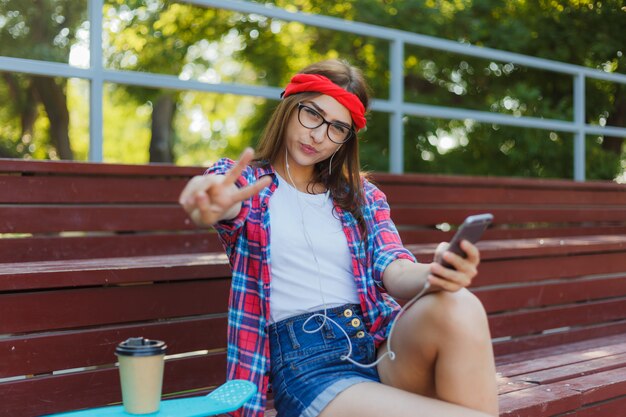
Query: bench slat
(32, 167)
(66, 309)
(538, 294)
(81, 190)
(612, 408)
(527, 249)
(590, 395)
(537, 401)
(561, 373)
(55, 218)
(47, 352)
(533, 321)
(539, 269)
(437, 194)
(600, 387)
(434, 235)
(550, 360)
(506, 385)
(51, 248)
(443, 181)
(562, 349)
(108, 271)
(523, 344)
(437, 214)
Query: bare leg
(370, 399)
(443, 350)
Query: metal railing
(395, 106)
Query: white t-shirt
(303, 227)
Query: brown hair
(344, 182)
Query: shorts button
(360, 334)
(347, 312)
(355, 322)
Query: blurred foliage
(35, 107)
(40, 29)
(213, 46)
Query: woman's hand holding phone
(463, 271)
(456, 263)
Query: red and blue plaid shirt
(246, 239)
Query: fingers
(201, 183)
(207, 212)
(441, 248)
(208, 201)
(252, 189)
(472, 252)
(455, 279)
(195, 185)
(235, 172)
(443, 284)
(463, 270)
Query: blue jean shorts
(307, 371)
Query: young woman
(316, 262)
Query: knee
(458, 312)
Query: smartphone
(472, 229)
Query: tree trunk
(29, 114)
(25, 103)
(52, 95)
(161, 141)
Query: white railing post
(96, 81)
(396, 97)
(579, 121)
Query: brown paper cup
(141, 374)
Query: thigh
(371, 399)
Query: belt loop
(292, 335)
(326, 326)
(328, 330)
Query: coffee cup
(141, 374)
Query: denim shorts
(307, 371)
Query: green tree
(160, 37)
(41, 30)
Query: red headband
(321, 84)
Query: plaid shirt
(246, 239)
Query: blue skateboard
(228, 397)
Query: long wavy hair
(344, 181)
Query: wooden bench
(91, 254)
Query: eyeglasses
(311, 119)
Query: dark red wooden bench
(92, 253)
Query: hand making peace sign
(211, 198)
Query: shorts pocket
(303, 359)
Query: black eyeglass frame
(351, 131)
